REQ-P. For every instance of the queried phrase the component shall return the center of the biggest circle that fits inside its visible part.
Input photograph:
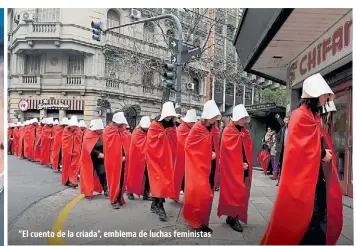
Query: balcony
(74, 83)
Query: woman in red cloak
(20, 149)
(71, 147)
(182, 133)
(57, 143)
(201, 161)
(32, 138)
(92, 174)
(309, 178)
(137, 175)
(116, 148)
(10, 137)
(236, 161)
(15, 141)
(161, 154)
(38, 137)
(46, 135)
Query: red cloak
(114, 139)
(30, 141)
(20, 148)
(294, 203)
(10, 132)
(198, 195)
(161, 153)
(37, 147)
(71, 146)
(56, 145)
(234, 189)
(26, 142)
(89, 181)
(46, 134)
(15, 141)
(264, 158)
(137, 164)
(179, 167)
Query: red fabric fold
(15, 141)
(21, 136)
(115, 139)
(89, 181)
(179, 167)
(297, 187)
(137, 164)
(71, 146)
(234, 189)
(198, 196)
(264, 158)
(161, 154)
(30, 142)
(46, 134)
(37, 146)
(56, 146)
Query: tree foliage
(277, 96)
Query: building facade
(290, 45)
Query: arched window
(149, 32)
(196, 83)
(113, 19)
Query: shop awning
(305, 41)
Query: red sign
(332, 46)
(23, 105)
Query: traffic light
(98, 27)
(169, 76)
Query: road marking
(62, 217)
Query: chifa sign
(23, 105)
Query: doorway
(342, 136)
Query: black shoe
(73, 185)
(161, 212)
(130, 196)
(88, 197)
(206, 229)
(154, 208)
(228, 219)
(235, 224)
(106, 194)
(116, 205)
(147, 197)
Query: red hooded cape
(56, 145)
(179, 167)
(114, 139)
(37, 147)
(46, 134)
(10, 132)
(297, 186)
(30, 141)
(71, 146)
(264, 158)
(137, 164)
(26, 142)
(15, 140)
(89, 181)
(161, 153)
(198, 196)
(234, 189)
(21, 142)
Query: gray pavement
(97, 216)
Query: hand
(123, 158)
(101, 156)
(328, 155)
(213, 156)
(245, 166)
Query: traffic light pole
(178, 63)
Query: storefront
(56, 108)
(289, 45)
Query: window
(229, 89)
(47, 15)
(113, 19)
(147, 79)
(76, 65)
(149, 32)
(32, 64)
(239, 94)
(196, 86)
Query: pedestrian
(71, 147)
(137, 176)
(201, 160)
(32, 138)
(20, 150)
(273, 152)
(308, 206)
(161, 155)
(26, 140)
(15, 138)
(38, 137)
(10, 137)
(46, 135)
(82, 126)
(179, 168)
(92, 169)
(116, 148)
(236, 160)
(56, 153)
(281, 143)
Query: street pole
(179, 54)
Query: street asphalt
(39, 203)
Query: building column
(43, 113)
(61, 114)
(292, 95)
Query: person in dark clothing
(280, 144)
(10, 138)
(97, 157)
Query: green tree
(277, 96)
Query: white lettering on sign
(332, 46)
(52, 106)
